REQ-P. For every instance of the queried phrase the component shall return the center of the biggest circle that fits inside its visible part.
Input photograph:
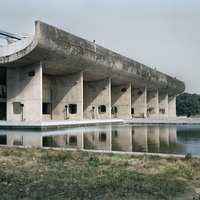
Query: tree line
(188, 104)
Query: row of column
(35, 96)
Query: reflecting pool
(167, 139)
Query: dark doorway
(2, 110)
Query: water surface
(167, 139)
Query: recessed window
(123, 90)
(72, 139)
(115, 133)
(132, 111)
(31, 73)
(140, 92)
(162, 111)
(102, 137)
(3, 139)
(114, 110)
(72, 108)
(102, 109)
(17, 108)
(46, 108)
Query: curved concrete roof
(63, 53)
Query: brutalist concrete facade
(54, 75)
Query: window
(115, 133)
(162, 111)
(123, 90)
(3, 139)
(17, 108)
(46, 108)
(132, 111)
(114, 110)
(102, 137)
(31, 73)
(102, 109)
(72, 108)
(72, 139)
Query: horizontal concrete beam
(63, 53)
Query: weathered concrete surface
(62, 53)
(26, 91)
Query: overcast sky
(162, 34)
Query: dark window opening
(3, 139)
(3, 110)
(72, 108)
(132, 111)
(162, 111)
(102, 137)
(46, 108)
(3, 91)
(123, 90)
(17, 108)
(18, 142)
(31, 73)
(115, 133)
(102, 109)
(47, 141)
(140, 92)
(72, 139)
(114, 110)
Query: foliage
(188, 104)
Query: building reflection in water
(20, 138)
(127, 138)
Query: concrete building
(54, 75)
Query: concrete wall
(152, 104)
(27, 86)
(63, 92)
(171, 106)
(47, 85)
(121, 99)
(96, 95)
(24, 88)
(139, 102)
(163, 105)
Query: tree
(188, 104)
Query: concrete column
(121, 101)
(64, 94)
(97, 99)
(47, 85)
(152, 104)
(24, 93)
(163, 105)
(139, 102)
(172, 106)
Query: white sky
(162, 34)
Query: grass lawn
(36, 173)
